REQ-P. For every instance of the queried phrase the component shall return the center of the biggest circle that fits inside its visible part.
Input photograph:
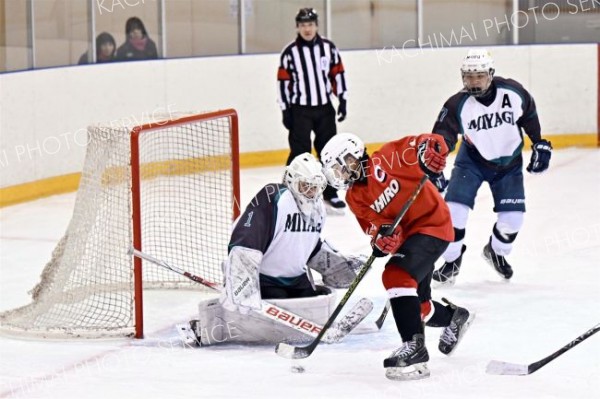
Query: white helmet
(335, 158)
(306, 181)
(477, 60)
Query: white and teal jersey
(491, 125)
(273, 225)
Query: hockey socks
(407, 314)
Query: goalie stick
(275, 313)
(505, 368)
(300, 352)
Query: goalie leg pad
(337, 270)
(242, 286)
(218, 325)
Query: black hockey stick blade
(381, 319)
(505, 368)
(300, 352)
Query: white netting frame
(87, 288)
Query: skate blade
(331, 211)
(413, 372)
(489, 262)
(447, 283)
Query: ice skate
(334, 206)
(409, 362)
(189, 333)
(446, 274)
(452, 334)
(498, 262)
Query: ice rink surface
(553, 297)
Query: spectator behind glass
(105, 49)
(137, 46)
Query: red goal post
(216, 162)
(169, 187)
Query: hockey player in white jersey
(490, 112)
(274, 245)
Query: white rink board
(44, 113)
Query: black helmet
(307, 15)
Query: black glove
(440, 182)
(287, 118)
(540, 157)
(342, 110)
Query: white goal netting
(187, 177)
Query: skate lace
(455, 268)
(449, 334)
(406, 349)
(448, 270)
(500, 260)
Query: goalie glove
(336, 269)
(387, 244)
(540, 158)
(432, 151)
(242, 286)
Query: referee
(310, 69)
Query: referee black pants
(306, 119)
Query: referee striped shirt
(309, 72)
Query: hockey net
(179, 178)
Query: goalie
(273, 247)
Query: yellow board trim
(38, 189)
(68, 183)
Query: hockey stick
(162, 263)
(270, 311)
(384, 312)
(300, 352)
(504, 368)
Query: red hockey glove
(386, 244)
(432, 152)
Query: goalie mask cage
(169, 187)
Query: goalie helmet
(476, 63)
(304, 178)
(342, 159)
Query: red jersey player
(377, 188)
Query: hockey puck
(296, 368)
